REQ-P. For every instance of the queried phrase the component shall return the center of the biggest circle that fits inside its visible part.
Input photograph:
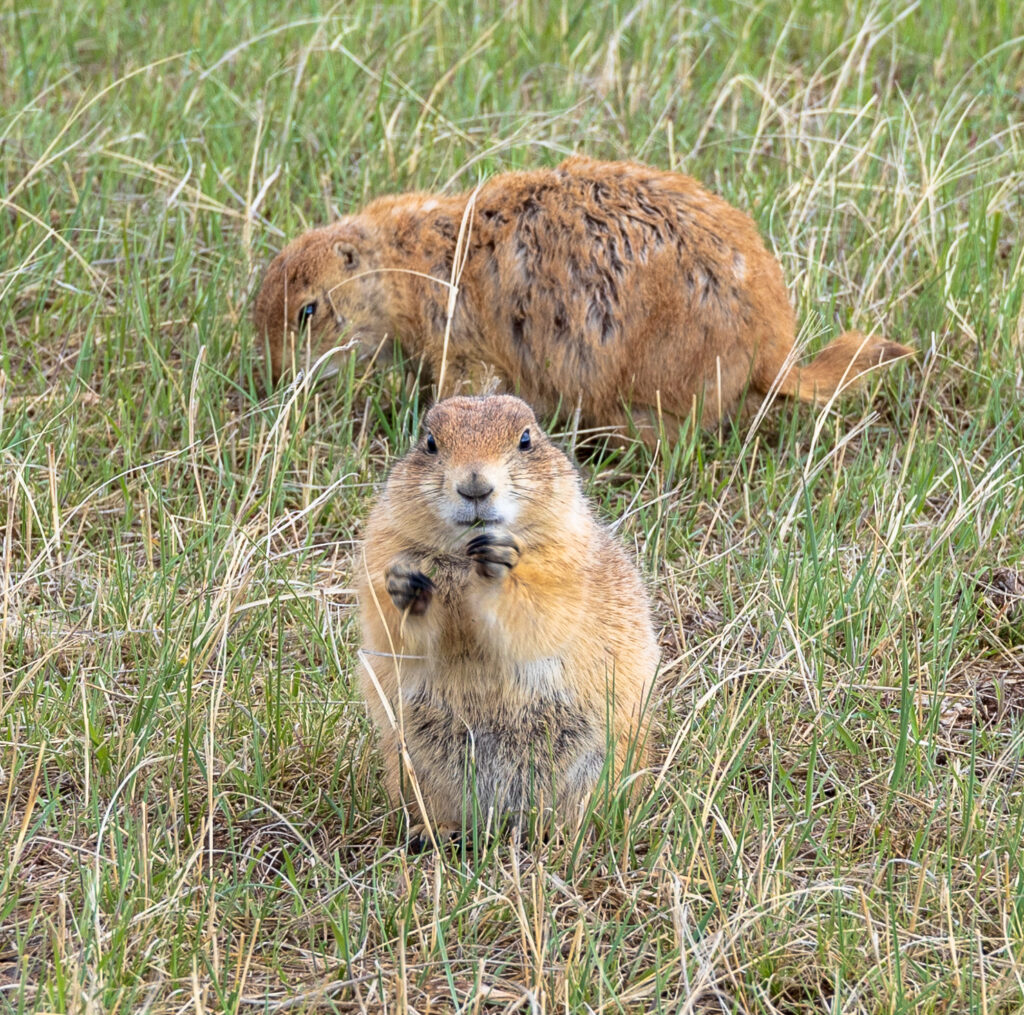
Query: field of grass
(192, 816)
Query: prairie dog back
(631, 292)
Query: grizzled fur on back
(508, 648)
(600, 285)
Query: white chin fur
(500, 511)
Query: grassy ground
(191, 810)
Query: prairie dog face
(486, 462)
(324, 289)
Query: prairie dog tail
(839, 365)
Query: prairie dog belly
(509, 750)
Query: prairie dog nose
(475, 487)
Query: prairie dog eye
(524, 441)
(306, 311)
(431, 444)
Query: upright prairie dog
(507, 638)
(628, 292)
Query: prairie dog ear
(348, 253)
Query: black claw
(487, 539)
(420, 842)
(479, 545)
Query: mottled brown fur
(597, 284)
(502, 624)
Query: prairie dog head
(324, 289)
(485, 462)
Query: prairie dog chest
(498, 629)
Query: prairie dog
(607, 286)
(507, 637)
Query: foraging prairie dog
(507, 637)
(626, 291)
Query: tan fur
(531, 653)
(597, 284)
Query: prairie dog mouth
(488, 518)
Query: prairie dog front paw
(419, 840)
(409, 588)
(495, 553)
